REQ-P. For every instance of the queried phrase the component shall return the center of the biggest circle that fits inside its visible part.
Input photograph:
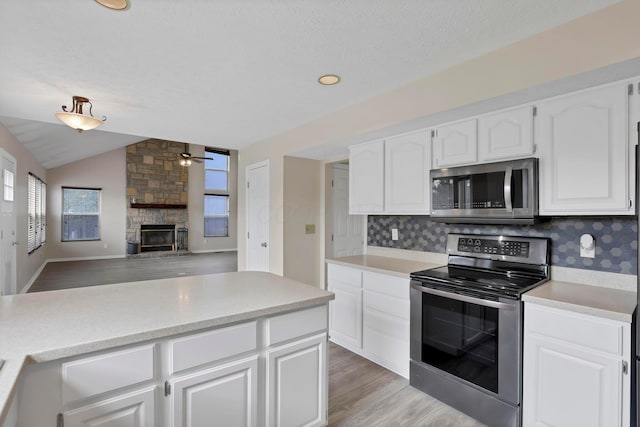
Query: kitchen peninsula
(167, 349)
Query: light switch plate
(394, 234)
(309, 229)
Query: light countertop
(603, 301)
(46, 326)
(615, 304)
(393, 266)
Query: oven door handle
(465, 298)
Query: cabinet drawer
(389, 305)
(384, 284)
(208, 347)
(297, 324)
(91, 376)
(345, 276)
(575, 328)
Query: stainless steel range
(466, 324)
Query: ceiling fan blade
(201, 158)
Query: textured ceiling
(230, 73)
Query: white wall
(197, 241)
(597, 40)
(302, 185)
(108, 172)
(26, 265)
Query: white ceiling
(229, 73)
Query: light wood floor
(74, 274)
(362, 393)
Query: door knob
(263, 244)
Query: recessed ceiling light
(329, 79)
(114, 4)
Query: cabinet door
(506, 135)
(455, 144)
(135, 409)
(582, 145)
(385, 321)
(407, 164)
(296, 383)
(366, 178)
(345, 316)
(566, 385)
(345, 311)
(226, 394)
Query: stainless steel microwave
(489, 193)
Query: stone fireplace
(157, 192)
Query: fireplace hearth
(157, 237)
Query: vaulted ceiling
(230, 73)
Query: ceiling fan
(186, 158)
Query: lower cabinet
(268, 372)
(370, 315)
(296, 386)
(131, 409)
(227, 394)
(576, 369)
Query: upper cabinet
(391, 176)
(506, 135)
(366, 178)
(406, 178)
(584, 152)
(455, 144)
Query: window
(216, 198)
(216, 171)
(8, 185)
(80, 214)
(36, 212)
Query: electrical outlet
(587, 246)
(309, 229)
(106, 245)
(205, 241)
(394, 234)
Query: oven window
(461, 338)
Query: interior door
(348, 230)
(258, 217)
(8, 226)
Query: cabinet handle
(625, 367)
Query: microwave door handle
(507, 189)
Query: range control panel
(494, 247)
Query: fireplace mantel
(157, 206)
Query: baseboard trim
(35, 276)
(206, 251)
(88, 258)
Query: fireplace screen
(157, 237)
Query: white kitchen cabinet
(455, 144)
(385, 321)
(407, 161)
(582, 141)
(370, 315)
(227, 394)
(506, 135)
(296, 383)
(345, 311)
(575, 370)
(366, 178)
(216, 376)
(135, 409)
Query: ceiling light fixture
(329, 79)
(75, 119)
(114, 4)
(185, 162)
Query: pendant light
(76, 119)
